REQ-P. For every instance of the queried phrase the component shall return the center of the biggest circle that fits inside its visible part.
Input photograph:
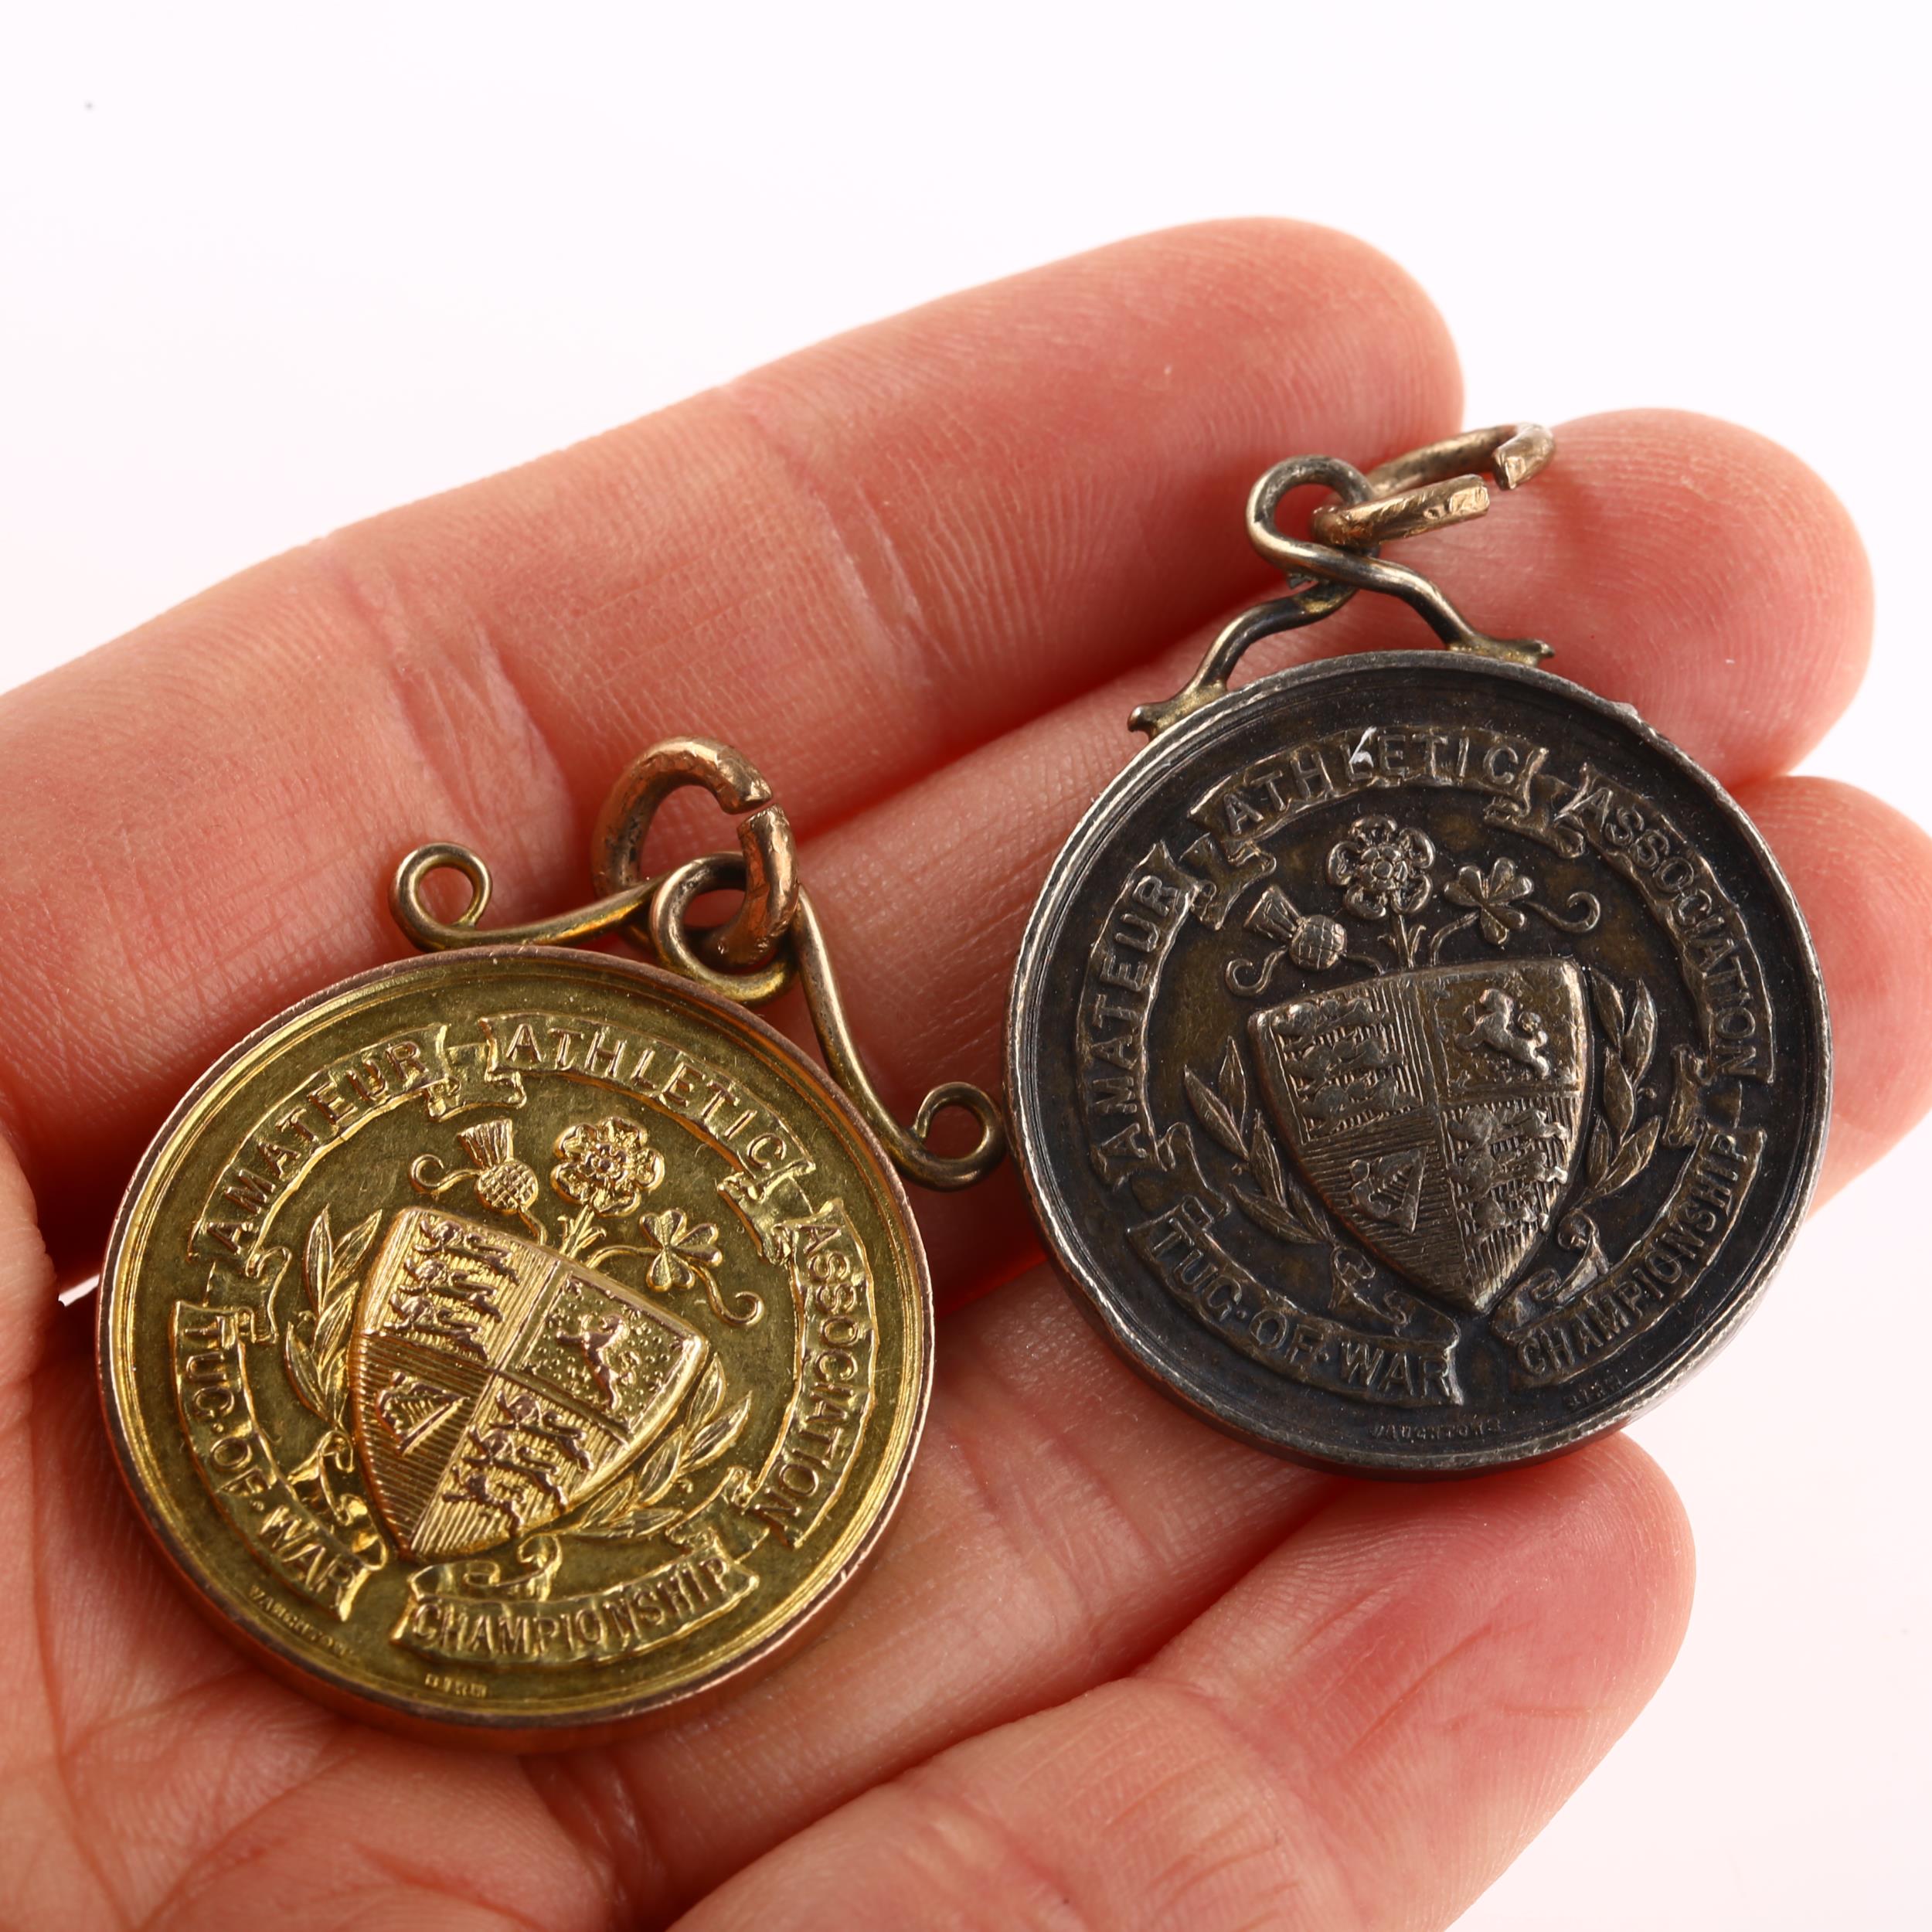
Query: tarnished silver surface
(1416, 1063)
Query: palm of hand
(1110, 1670)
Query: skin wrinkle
(56, 1757)
(100, 1538)
(31, 1555)
(1058, 1593)
(1490, 1630)
(157, 1713)
(1231, 1717)
(1059, 331)
(1189, 1875)
(1215, 249)
(937, 1798)
(1872, 869)
(21, 1432)
(64, 1047)
(195, 1880)
(32, 917)
(633, 1869)
(26, 1288)
(1597, 1720)
(379, 607)
(1045, 1442)
(399, 1871)
(1268, 1874)
(159, 1826)
(151, 1719)
(1146, 1677)
(909, 675)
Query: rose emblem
(1383, 867)
(606, 1168)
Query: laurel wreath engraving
(1620, 1146)
(634, 1507)
(315, 1353)
(315, 1347)
(1283, 1206)
(1278, 1203)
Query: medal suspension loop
(772, 939)
(1427, 489)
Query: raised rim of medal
(1030, 1131)
(585, 1720)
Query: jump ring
(1435, 486)
(770, 853)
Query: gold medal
(523, 1339)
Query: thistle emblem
(504, 1183)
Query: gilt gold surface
(516, 1341)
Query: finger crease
(426, 676)
(909, 659)
(595, 1807)
(1033, 1531)
(968, 1836)
(1231, 1718)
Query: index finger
(855, 564)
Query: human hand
(1108, 1669)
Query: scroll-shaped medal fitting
(1426, 489)
(772, 939)
(806, 958)
(748, 938)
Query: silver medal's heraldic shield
(1436, 1112)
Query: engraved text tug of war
(1437, 1059)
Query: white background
(265, 270)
